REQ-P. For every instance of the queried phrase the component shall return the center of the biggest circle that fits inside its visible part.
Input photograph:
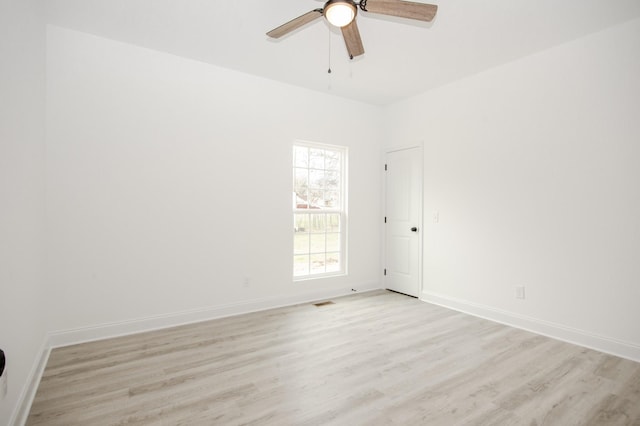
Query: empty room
(309, 212)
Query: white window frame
(341, 211)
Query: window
(319, 206)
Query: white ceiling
(402, 57)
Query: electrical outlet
(246, 282)
(519, 292)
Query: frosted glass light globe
(340, 13)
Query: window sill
(319, 276)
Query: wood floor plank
(377, 358)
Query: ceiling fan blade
(295, 23)
(401, 8)
(352, 39)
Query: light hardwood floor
(375, 358)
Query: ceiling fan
(342, 14)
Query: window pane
(333, 222)
(317, 243)
(332, 160)
(300, 188)
(333, 241)
(316, 198)
(332, 180)
(300, 156)
(300, 266)
(317, 222)
(300, 200)
(332, 199)
(300, 243)
(316, 178)
(301, 223)
(316, 158)
(317, 263)
(333, 262)
(301, 178)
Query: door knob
(414, 229)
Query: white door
(403, 210)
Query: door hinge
(385, 167)
(385, 219)
(385, 271)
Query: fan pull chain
(329, 70)
(351, 68)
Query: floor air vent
(323, 303)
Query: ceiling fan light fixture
(340, 12)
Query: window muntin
(318, 210)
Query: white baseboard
(25, 399)
(557, 331)
(123, 328)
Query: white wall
(22, 328)
(534, 168)
(169, 182)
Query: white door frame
(420, 148)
